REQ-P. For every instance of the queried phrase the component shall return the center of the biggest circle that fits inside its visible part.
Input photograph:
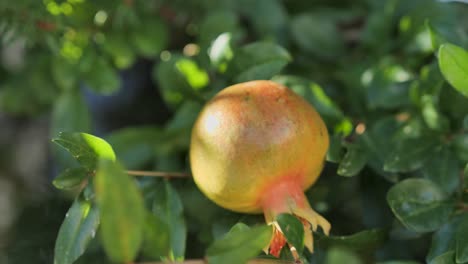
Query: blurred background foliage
(138, 72)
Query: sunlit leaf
(85, 148)
(453, 62)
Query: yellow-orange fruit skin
(251, 137)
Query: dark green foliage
(389, 78)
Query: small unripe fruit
(256, 147)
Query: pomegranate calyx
(287, 197)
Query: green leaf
(117, 46)
(453, 63)
(446, 258)
(436, 39)
(293, 230)
(173, 84)
(156, 237)
(443, 169)
(258, 61)
(122, 211)
(411, 153)
(342, 255)
(269, 18)
(444, 240)
(216, 23)
(134, 146)
(399, 262)
(150, 37)
(101, 77)
(220, 52)
(239, 246)
(64, 73)
(365, 241)
(85, 148)
(353, 161)
(76, 231)
(387, 85)
(335, 151)
(168, 206)
(314, 94)
(70, 178)
(461, 238)
(197, 78)
(318, 35)
(419, 204)
(70, 113)
(460, 145)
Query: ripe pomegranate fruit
(255, 147)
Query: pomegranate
(255, 147)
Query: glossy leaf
(70, 178)
(258, 61)
(122, 211)
(419, 204)
(168, 207)
(220, 52)
(443, 169)
(353, 161)
(85, 148)
(239, 246)
(410, 154)
(366, 240)
(453, 62)
(293, 230)
(76, 231)
(317, 34)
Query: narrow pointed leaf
(168, 206)
(85, 148)
(239, 246)
(77, 230)
(70, 178)
(293, 230)
(122, 211)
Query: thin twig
(159, 174)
